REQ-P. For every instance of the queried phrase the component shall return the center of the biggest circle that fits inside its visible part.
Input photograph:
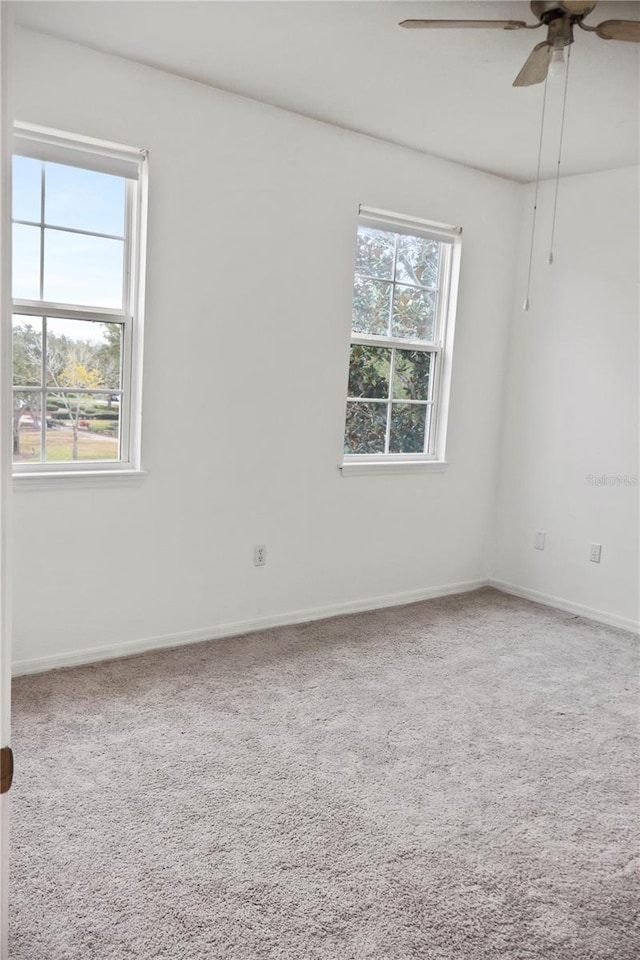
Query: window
(76, 251)
(401, 337)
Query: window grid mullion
(387, 434)
(42, 198)
(83, 233)
(434, 375)
(426, 444)
(126, 394)
(366, 276)
(438, 303)
(408, 403)
(43, 426)
(393, 285)
(126, 246)
(88, 390)
(43, 392)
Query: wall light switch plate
(538, 543)
(595, 552)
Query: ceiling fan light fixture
(557, 63)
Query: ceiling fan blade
(474, 24)
(619, 30)
(536, 66)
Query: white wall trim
(131, 647)
(72, 481)
(350, 468)
(601, 616)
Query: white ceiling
(447, 93)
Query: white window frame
(43, 143)
(441, 347)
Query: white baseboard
(132, 647)
(611, 619)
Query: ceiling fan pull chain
(555, 199)
(525, 305)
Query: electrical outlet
(538, 543)
(595, 552)
(259, 555)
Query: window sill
(353, 469)
(59, 480)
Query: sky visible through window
(77, 268)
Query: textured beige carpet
(451, 780)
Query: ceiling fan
(559, 19)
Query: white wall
(252, 225)
(571, 402)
